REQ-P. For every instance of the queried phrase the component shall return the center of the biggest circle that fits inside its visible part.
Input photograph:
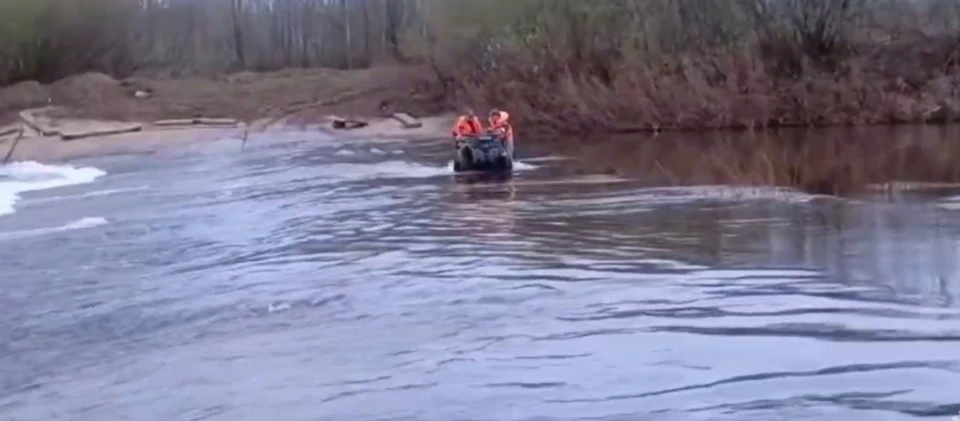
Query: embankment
(93, 114)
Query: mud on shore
(94, 114)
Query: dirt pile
(21, 96)
(87, 88)
(308, 93)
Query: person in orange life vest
(500, 125)
(467, 125)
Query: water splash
(517, 166)
(20, 177)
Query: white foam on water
(550, 158)
(82, 223)
(949, 205)
(682, 194)
(517, 166)
(583, 179)
(26, 176)
(386, 169)
(523, 166)
(950, 201)
(393, 169)
(79, 224)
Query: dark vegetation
(574, 66)
(688, 64)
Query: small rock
(340, 123)
(106, 130)
(407, 120)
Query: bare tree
(236, 13)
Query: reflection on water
(827, 161)
(315, 281)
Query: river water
(306, 279)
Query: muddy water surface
(305, 279)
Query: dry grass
(597, 66)
(733, 91)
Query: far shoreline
(309, 97)
(137, 115)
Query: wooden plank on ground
(35, 123)
(174, 122)
(408, 121)
(13, 146)
(100, 131)
(216, 121)
(9, 130)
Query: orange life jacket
(467, 126)
(500, 124)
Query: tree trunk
(346, 34)
(236, 11)
(368, 56)
(394, 19)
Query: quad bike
(482, 153)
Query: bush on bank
(686, 64)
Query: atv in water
(482, 153)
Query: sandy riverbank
(93, 114)
(46, 138)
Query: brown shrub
(689, 65)
(717, 92)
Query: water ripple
(317, 280)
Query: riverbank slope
(93, 114)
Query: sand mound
(244, 95)
(87, 88)
(23, 95)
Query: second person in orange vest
(500, 125)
